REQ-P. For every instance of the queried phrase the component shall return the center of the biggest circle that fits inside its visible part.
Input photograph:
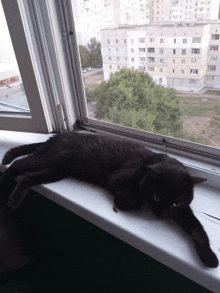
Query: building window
(174, 41)
(193, 61)
(141, 58)
(215, 37)
(150, 68)
(183, 61)
(213, 58)
(161, 69)
(132, 59)
(174, 60)
(161, 51)
(110, 66)
(110, 58)
(173, 71)
(132, 50)
(141, 49)
(161, 60)
(161, 41)
(150, 50)
(109, 50)
(117, 58)
(126, 58)
(151, 59)
(141, 40)
(195, 51)
(184, 41)
(141, 68)
(160, 80)
(116, 41)
(132, 41)
(174, 51)
(183, 51)
(210, 77)
(117, 50)
(182, 71)
(213, 48)
(108, 41)
(196, 39)
(151, 40)
(211, 68)
(118, 67)
(125, 41)
(194, 71)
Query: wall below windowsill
(160, 239)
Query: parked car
(89, 68)
(84, 70)
(98, 66)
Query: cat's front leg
(191, 225)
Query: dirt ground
(200, 114)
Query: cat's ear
(152, 171)
(197, 180)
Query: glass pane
(12, 94)
(152, 66)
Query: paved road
(93, 71)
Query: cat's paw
(207, 256)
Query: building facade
(184, 56)
(92, 16)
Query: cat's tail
(19, 151)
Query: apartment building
(92, 16)
(185, 10)
(183, 56)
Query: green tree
(85, 56)
(131, 98)
(95, 49)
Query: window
(141, 68)
(194, 71)
(150, 50)
(116, 41)
(174, 51)
(161, 51)
(150, 68)
(161, 69)
(183, 61)
(183, 51)
(182, 71)
(117, 58)
(161, 41)
(141, 49)
(215, 37)
(141, 58)
(184, 41)
(211, 68)
(174, 60)
(151, 59)
(125, 41)
(161, 60)
(132, 59)
(108, 41)
(110, 58)
(117, 50)
(151, 40)
(196, 39)
(141, 40)
(193, 61)
(195, 51)
(174, 41)
(110, 66)
(118, 67)
(213, 48)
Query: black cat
(132, 173)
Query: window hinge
(67, 33)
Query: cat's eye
(156, 198)
(176, 204)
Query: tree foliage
(85, 56)
(95, 49)
(131, 98)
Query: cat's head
(168, 188)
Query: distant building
(91, 16)
(183, 56)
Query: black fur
(132, 173)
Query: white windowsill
(162, 240)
